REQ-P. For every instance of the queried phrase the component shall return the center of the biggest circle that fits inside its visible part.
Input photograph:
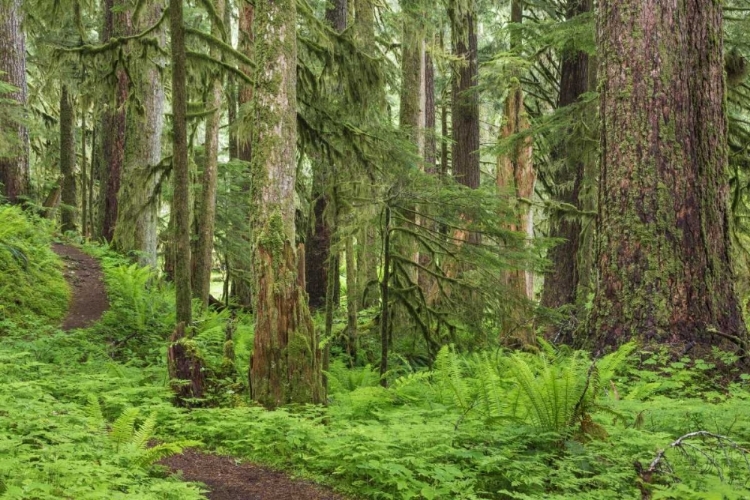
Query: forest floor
(225, 477)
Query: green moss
(31, 279)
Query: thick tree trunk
(286, 362)
(561, 283)
(117, 22)
(663, 247)
(138, 207)
(465, 98)
(180, 167)
(14, 164)
(68, 160)
(207, 216)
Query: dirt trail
(225, 477)
(229, 480)
(84, 275)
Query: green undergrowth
(503, 426)
(77, 410)
(32, 287)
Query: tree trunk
(180, 167)
(68, 159)
(561, 283)
(352, 299)
(84, 174)
(14, 164)
(138, 207)
(336, 14)
(117, 23)
(286, 362)
(242, 288)
(663, 247)
(206, 219)
(515, 170)
(320, 262)
(465, 98)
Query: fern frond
(144, 433)
(152, 455)
(448, 372)
(94, 416)
(124, 427)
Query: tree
(561, 283)
(68, 159)
(207, 214)
(465, 98)
(515, 169)
(286, 361)
(664, 250)
(14, 164)
(117, 22)
(180, 167)
(137, 215)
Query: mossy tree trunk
(286, 362)
(68, 159)
(663, 246)
(14, 164)
(207, 215)
(561, 283)
(180, 167)
(137, 215)
(515, 169)
(117, 23)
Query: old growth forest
(374, 249)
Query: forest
(374, 249)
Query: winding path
(225, 477)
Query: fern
(449, 377)
(94, 416)
(124, 427)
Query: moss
(31, 279)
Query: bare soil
(225, 477)
(89, 296)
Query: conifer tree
(664, 267)
(286, 360)
(14, 163)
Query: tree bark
(117, 23)
(561, 283)
(320, 263)
(14, 165)
(515, 169)
(242, 287)
(207, 216)
(180, 167)
(465, 98)
(664, 242)
(336, 14)
(138, 207)
(286, 361)
(68, 160)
